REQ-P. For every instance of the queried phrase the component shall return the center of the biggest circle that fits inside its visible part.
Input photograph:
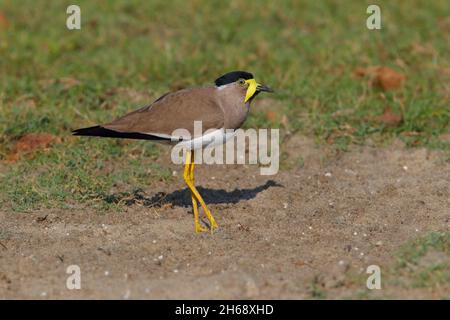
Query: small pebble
(328, 174)
(350, 172)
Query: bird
(221, 108)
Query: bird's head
(245, 82)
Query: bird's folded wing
(172, 111)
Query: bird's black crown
(231, 77)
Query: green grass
(431, 275)
(421, 263)
(88, 172)
(414, 250)
(412, 271)
(54, 80)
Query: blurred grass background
(128, 53)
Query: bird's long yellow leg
(208, 214)
(198, 227)
(188, 178)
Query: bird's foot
(199, 228)
(212, 222)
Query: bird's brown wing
(177, 110)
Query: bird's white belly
(210, 139)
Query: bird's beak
(263, 88)
(254, 88)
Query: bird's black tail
(99, 131)
(95, 131)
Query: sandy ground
(310, 231)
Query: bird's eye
(241, 81)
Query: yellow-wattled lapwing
(220, 107)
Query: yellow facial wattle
(251, 89)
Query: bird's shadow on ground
(182, 197)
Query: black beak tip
(263, 88)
